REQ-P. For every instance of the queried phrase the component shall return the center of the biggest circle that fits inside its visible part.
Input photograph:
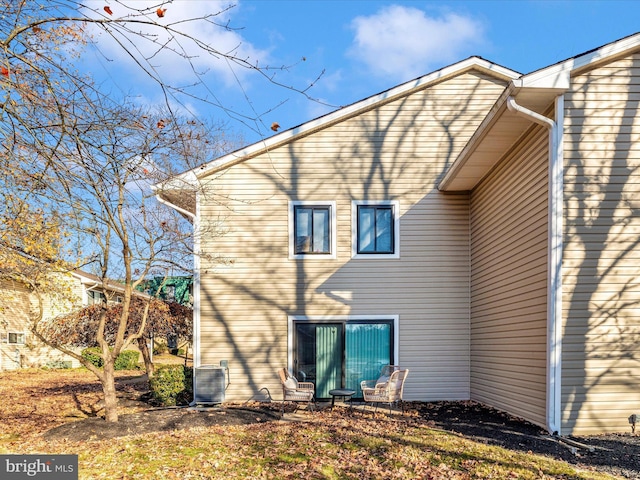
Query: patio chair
(295, 391)
(385, 373)
(386, 390)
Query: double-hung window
(376, 229)
(312, 229)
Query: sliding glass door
(341, 354)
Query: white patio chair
(295, 391)
(389, 391)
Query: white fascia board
(558, 76)
(287, 136)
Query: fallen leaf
(108, 10)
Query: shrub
(127, 360)
(58, 364)
(172, 385)
(160, 348)
(94, 356)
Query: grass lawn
(334, 445)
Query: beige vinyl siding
(508, 282)
(397, 151)
(601, 282)
(18, 308)
(14, 310)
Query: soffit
(498, 133)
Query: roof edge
(489, 120)
(558, 75)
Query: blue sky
(363, 47)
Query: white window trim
(291, 319)
(354, 230)
(24, 338)
(333, 230)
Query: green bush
(58, 364)
(172, 385)
(160, 348)
(94, 356)
(127, 360)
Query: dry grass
(332, 445)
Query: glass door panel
(305, 358)
(319, 354)
(367, 350)
(328, 359)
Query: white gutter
(196, 272)
(196, 287)
(175, 207)
(554, 258)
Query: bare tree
(69, 147)
(100, 177)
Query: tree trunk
(146, 356)
(109, 390)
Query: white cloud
(402, 43)
(187, 17)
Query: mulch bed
(616, 454)
(158, 420)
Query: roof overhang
(91, 281)
(501, 128)
(495, 136)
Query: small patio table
(341, 392)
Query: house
(19, 347)
(476, 225)
(170, 289)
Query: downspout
(554, 258)
(196, 273)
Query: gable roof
(537, 91)
(174, 189)
(498, 132)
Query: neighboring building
(477, 226)
(18, 345)
(171, 289)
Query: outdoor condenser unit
(209, 384)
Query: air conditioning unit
(209, 384)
